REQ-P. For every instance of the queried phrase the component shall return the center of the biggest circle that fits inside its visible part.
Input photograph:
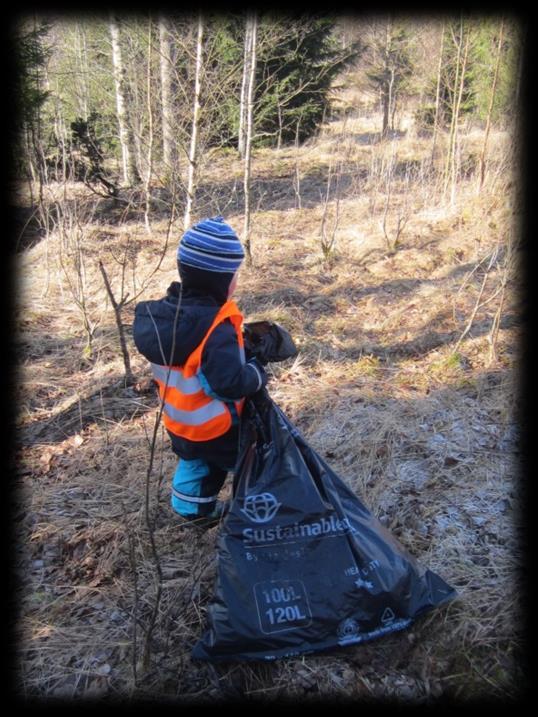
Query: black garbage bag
(268, 341)
(303, 566)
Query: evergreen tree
(294, 77)
(31, 54)
(31, 58)
(390, 68)
(483, 68)
(479, 72)
(297, 61)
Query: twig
(150, 526)
(494, 331)
(467, 278)
(477, 304)
(154, 551)
(117, 314)
(327, 239)
(492, 336)
(403, 212)
(132, 560)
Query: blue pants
(195, 487)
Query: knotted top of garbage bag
(268, 342)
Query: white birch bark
(452, 140)
(194, 132)
(387, 85)
(130, 173)
(438, 92)
(82, 61)
(490, 108)
(166, 60)
(149, 171)
(244, 84)
(248, 138)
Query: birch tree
(462, 42)
(81, 53)
(490, 108)
(250, 36)
(195, 122)
(130, 171)
(388, 81)
(247, 55)
(438, 92)
(149, 162)
(167, 110)
(390, 66)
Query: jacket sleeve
(223, 375)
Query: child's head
(209, 256)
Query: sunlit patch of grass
(366, 366)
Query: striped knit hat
(211, 245)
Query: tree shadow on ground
(26, 228)
(280, 193)
(287, 292)
(425, 339)
(317, 185)
(41, 393)
(112, 403)
(376, 137)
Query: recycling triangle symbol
(387, 615)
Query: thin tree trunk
(455, 152)
(438, 92)
(130, 172)
(135, 122)
(490, 108)
(195, 121)
(166, 63)
(119, 324)
(244, 88)
(392, 99)
(279, 139)
(248, 142)
(385, 105)
(297, 183)
(449, 157)
(82, 58)
(149, 170)
(520, 69)
(386, 87)
(461, 67)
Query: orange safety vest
(188, 411)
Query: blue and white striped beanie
(211, 245)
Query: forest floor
(414, 405)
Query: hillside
(406, 382)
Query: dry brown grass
(426, 436)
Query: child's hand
(256, 365)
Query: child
(193, 339)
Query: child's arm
(222, 370)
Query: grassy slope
(426, 436)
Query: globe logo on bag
(261, 508)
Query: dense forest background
(148, 101)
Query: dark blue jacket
(223, 375)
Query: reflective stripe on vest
(188, 411)
(199, 415)
(171, 377)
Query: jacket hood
(167, 336)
